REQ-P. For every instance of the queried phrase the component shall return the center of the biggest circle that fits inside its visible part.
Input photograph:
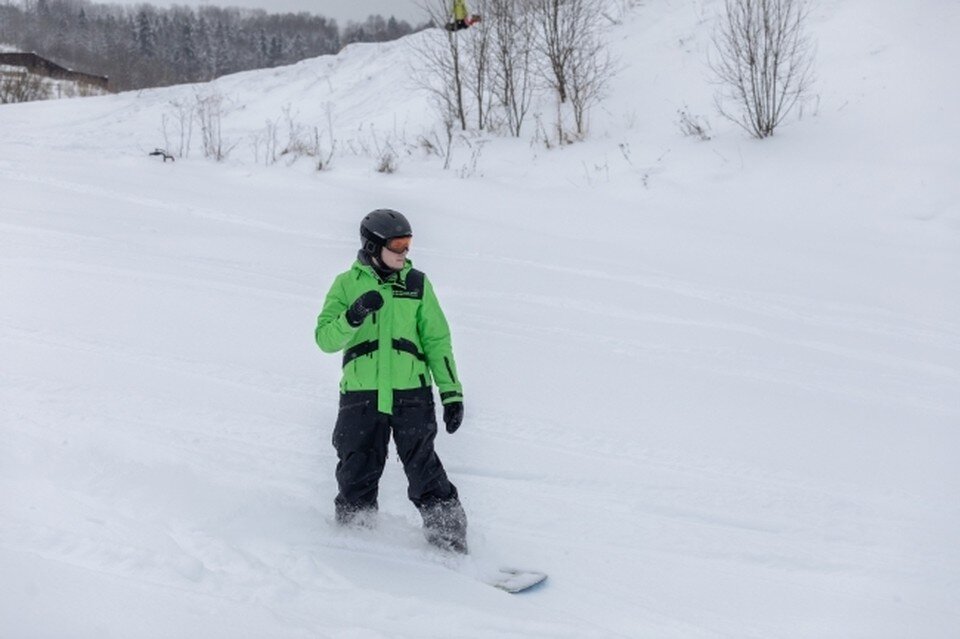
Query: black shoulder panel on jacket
(414, 286)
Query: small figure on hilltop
(461, 18)
(385, 316)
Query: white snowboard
(514, 580)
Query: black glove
(362, 306)
(453, 416)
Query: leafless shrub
(299, 137)
(301, 140)
(692, 125)
(387, 162)
(177, 127)
(446, 143)
(512, 79)
(428, 146)
(385, 152)
(442, 74)
(763, 62)
(204, 111)
(472, 167)
(574, 61)
(591, 68)
(556, 22)
(22, 86)
(209, 112)
(476, 63)
(541, 136)
(619, 9)
(266, 143)
(78, 89)
(521, 47)
(325, 153)
(86, 90)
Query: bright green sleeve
(435, 339)
(333, 332)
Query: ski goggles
(398, 244)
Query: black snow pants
(361, 437)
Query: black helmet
(382, 225)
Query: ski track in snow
(683, 507)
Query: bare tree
(575, 62)
(512, 77)
(210, 110)
(180, 119)
(556, 36)
(763, 61)
(443, 73)
(477, 64)
(521, 46)
(590, 69)
(22, 86)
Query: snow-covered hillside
(712, 388)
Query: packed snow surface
(712, 387)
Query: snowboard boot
(445, 525)
(356, 515)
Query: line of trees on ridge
(147, 46)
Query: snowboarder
(461, 17)
(385, 316)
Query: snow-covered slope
(713, 388)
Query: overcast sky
(341, 10)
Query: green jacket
(459, 9)
(398, 347)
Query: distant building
(41, 66)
